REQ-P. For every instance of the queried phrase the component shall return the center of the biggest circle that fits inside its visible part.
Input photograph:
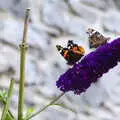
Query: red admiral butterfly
(96, 39)
(72, 53)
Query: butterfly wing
(96, 39)
(75, 54)
(72, 53)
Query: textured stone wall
(54, 22)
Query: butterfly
(72, 53)
(96, 39)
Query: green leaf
(29, 112)
(3, 94)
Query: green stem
(51, 103)
(23, 49)
(10, 92)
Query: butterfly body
(96, 39)
(72, 53)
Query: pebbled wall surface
(54, 22)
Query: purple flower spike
(90, 68)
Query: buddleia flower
(90, 68)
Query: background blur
(55, 22)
